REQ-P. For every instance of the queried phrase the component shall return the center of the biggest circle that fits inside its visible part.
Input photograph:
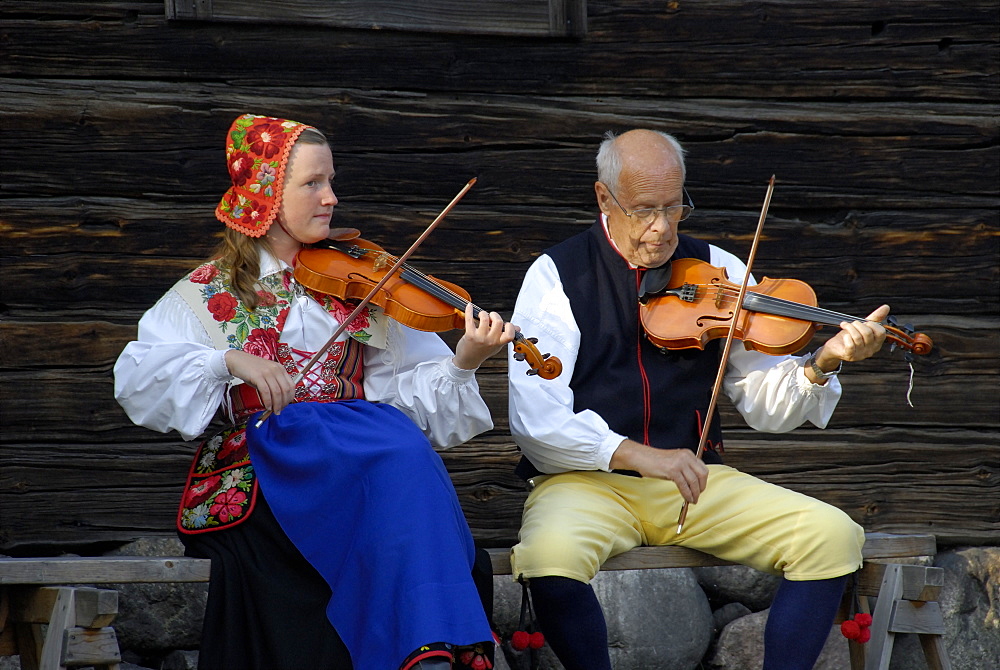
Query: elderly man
(610, 445)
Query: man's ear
(603, 197)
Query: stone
(656, 619)
(154, 619)
(727, 614)
(741, 646)
(725, 584)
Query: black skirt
(266, 604)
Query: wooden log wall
(878, 118)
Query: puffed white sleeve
(542, 420)
(416, 375)
(171, 377)
(772, 393)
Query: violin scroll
(905, 337)
(545, 366)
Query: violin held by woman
(349, 269)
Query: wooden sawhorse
(55, 627)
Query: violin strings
(437, 290)
(790, 308)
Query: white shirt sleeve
(772, 393)
(542, 420)
(416, 375)
(171, 377)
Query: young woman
(335, 534)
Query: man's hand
(269, 378)
(856, 341)
(680, 466)
(482, 340)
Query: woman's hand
(483, 339)
(269, 378)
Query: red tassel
(520, 640)
(850, 629)
(536, 640)
(857, 628)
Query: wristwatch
(819, 372)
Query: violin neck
(766, 304)
(413, 276)
(442, 293)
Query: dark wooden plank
(103, 570)
(931, 54)
(930, 481)
(880, 156)
(512, 17)
(878, 546)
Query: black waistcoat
(655, 397)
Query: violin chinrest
(343, 234)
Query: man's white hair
(609, 160)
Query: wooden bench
(54, 626)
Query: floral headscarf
(257, 149)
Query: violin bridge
(381, 262)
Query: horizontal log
(944, 482)
(504, 232)
(848, 284)
(103, 570)
(84, 402)
(388, 153)
(877, 547)
(714, 49)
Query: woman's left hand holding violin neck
(856, 341)
(482, 338)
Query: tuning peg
(533, 340)
(531, 371)
(518, 356)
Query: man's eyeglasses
(647, 215)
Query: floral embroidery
(221, 485)
(263, 343)
(255, 331)
(222, 306)
(204, 274)
(358, 328)
(228, 505)
(257, 151)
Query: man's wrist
(813, 364)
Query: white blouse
(172, 378)
(772, 393)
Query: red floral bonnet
(257, 149)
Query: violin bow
(371, 294)
(729, 342)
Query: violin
(779, 316)
(348, 270)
